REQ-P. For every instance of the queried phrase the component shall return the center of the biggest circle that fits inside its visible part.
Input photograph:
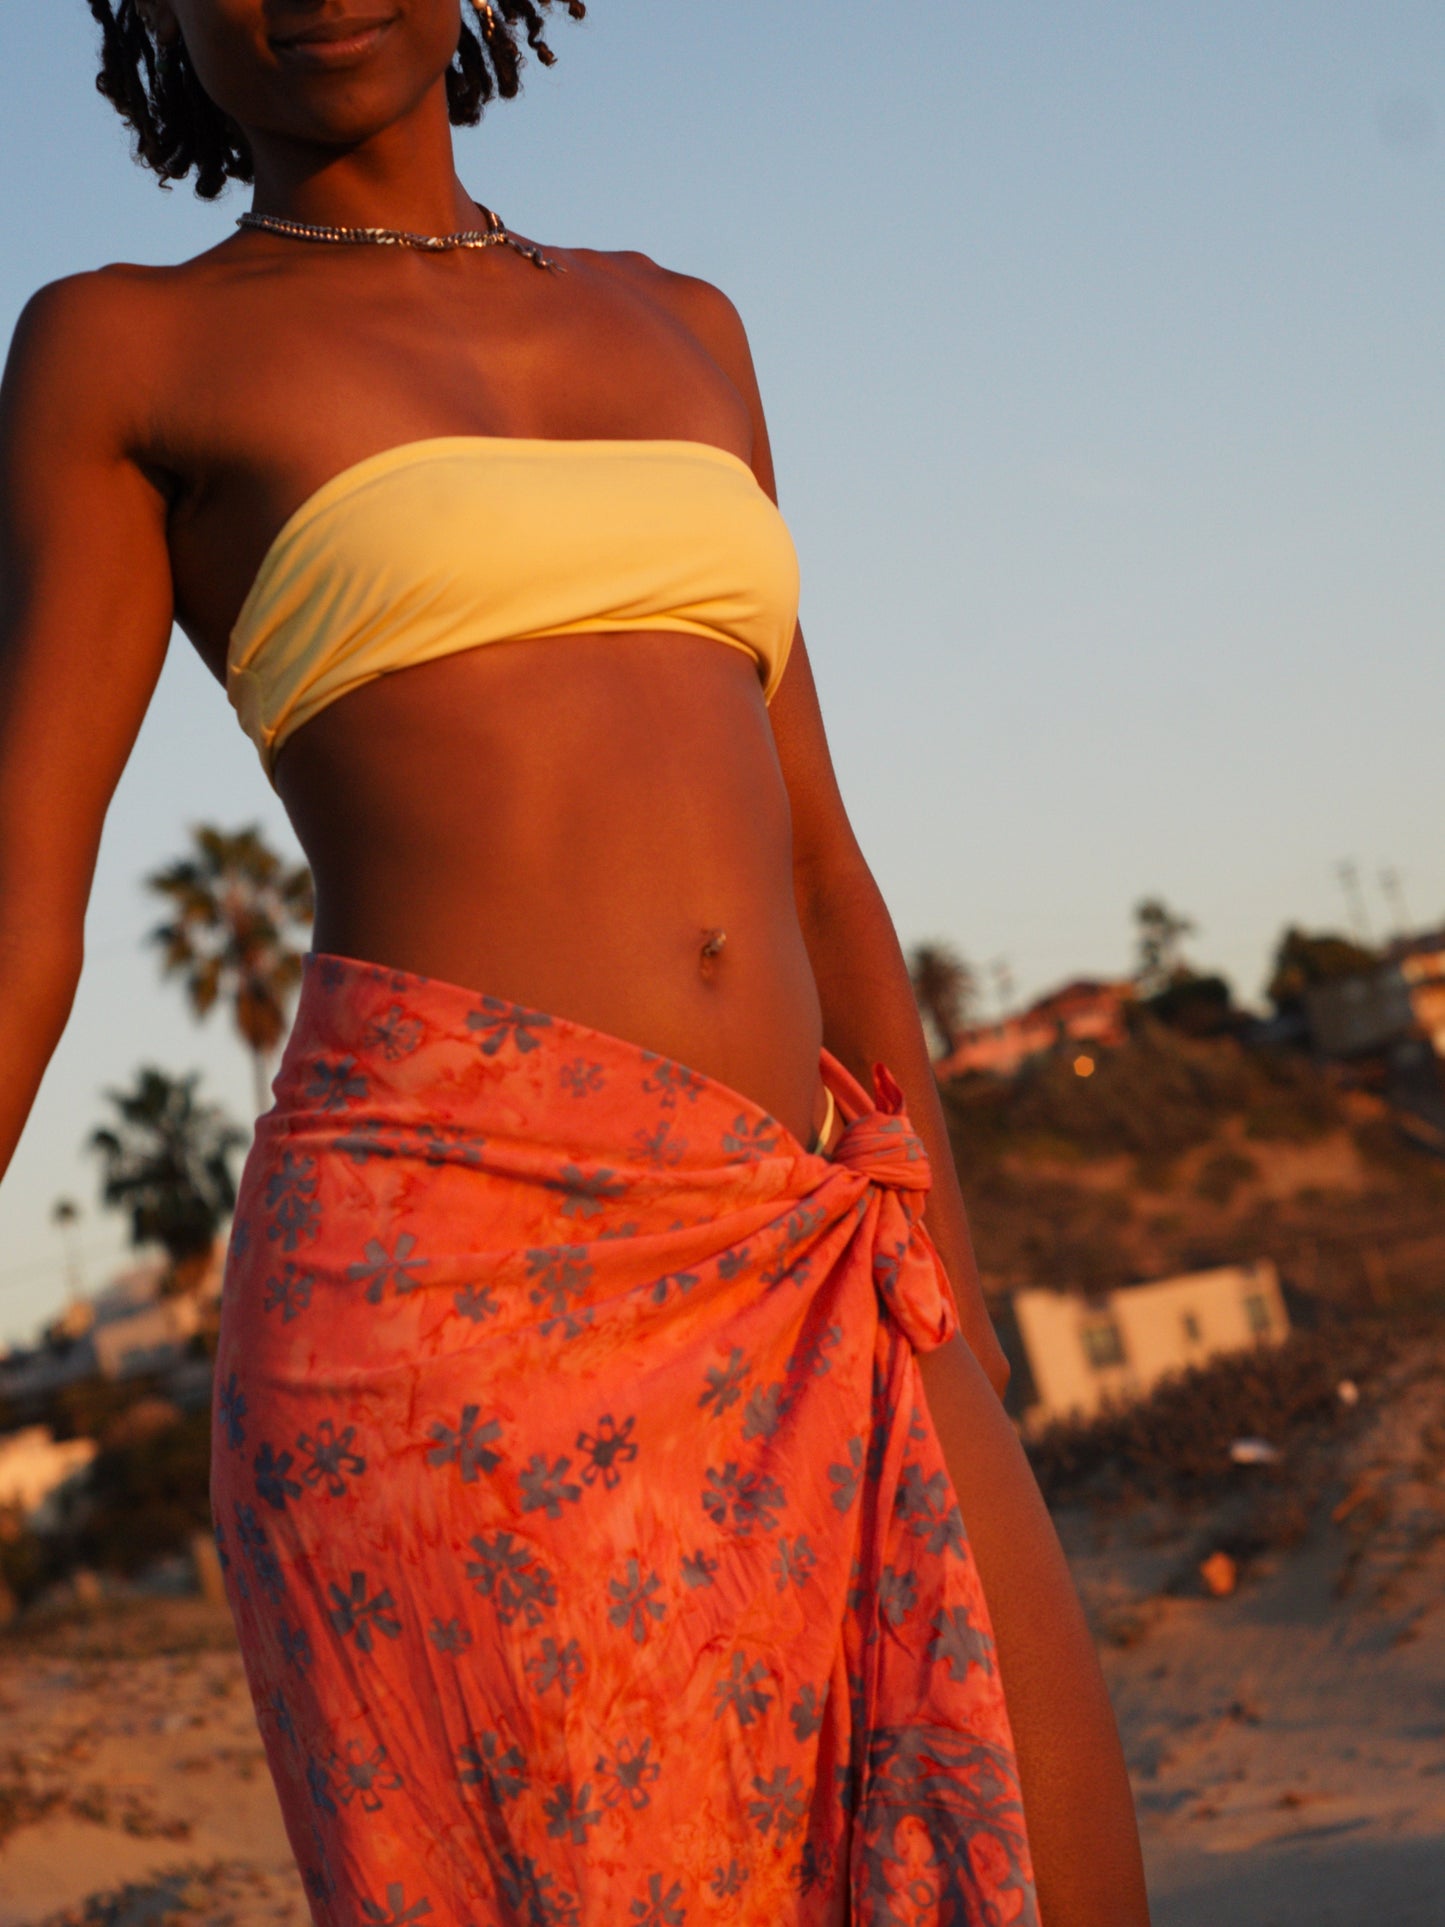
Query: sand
(1287, 1742)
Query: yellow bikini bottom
(825, 1129)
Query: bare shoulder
(87, 354)
(697, 305)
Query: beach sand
(1287, 1742)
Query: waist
(574, 844)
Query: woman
(589, 1426)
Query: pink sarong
(591, 1548)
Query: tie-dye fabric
(591, 1548)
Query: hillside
(1178, 1153)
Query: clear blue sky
(1103, 353)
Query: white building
(36, 1470)
(1084, 1353)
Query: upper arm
(85, 593)
(823, 840)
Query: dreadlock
(178, 128)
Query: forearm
(37, 987)
(870, 1017)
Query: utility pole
(1394, 894)
(1348, 873)
(1003, 985)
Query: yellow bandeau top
(438, 546)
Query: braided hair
(178, 127)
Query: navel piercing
(713, 941)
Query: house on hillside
(1079, 1353)
(38, 1472)
(1422, 965)
(1376, 1011)
(138, 1328)
(1088, 1013)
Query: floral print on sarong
(592, 1551)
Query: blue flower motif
(289, 1294)
(381, 1267)
(295, 1644)
(569, 1814)
(233, 1412)
(353, 1615)
(631, 1770)
(502, 1774)
(556, 1665)
(725, 1382)
(960, 1644)
(930, 1510)
(741, 1688)
(333, 1457)
(320, 1785)
(396, 1913)
(752, 1498)
(334, 1086)
(466, 1445)
(394, 1034)
(698, 1569)
(845, 1479)
(499, 1023)
(633, 1603)
(897, 1595)
(607, 1448)
(581, 1078)
(781, 1804)
(749, 1140)
(806, 1713)
(363, 1776)
(272, 1481)
(451, 1637)
(659, 1909)
(509, 1573)
(291, 1195)
(477, 1303)
(546, 1488)
(585, 1193)
(559, 1274)
(256, 1544)
(794, 1562)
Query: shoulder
(696, 305)
(88, 350)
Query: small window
(1102, 1344)
(1192, 1333)
(1257, 1311)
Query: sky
(1102, 353)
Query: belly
(595, 826)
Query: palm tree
(1160, 946)
(945, 988)
(65, 1216)
(167, 1161)
(239, 915)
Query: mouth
(340, 42)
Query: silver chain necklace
(493, 235)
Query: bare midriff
(595, 826)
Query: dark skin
(560, 822)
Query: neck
(404, 176)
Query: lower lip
(327, 54)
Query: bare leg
(1077, 1801)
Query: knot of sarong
(882, 1145)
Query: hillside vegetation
(1178, 1153)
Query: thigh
(1077, 1800)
